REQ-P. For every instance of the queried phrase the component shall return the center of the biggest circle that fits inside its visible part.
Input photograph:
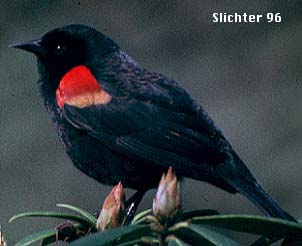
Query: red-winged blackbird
(120, 122)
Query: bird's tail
(263, 201)
(242, 180)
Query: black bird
(121, 122)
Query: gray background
(247, 76)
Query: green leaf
(141, 215)
(132, 242)
(260, 225)
(115, 236)
(146, 220)
(51, 214)
(198, 213)
(199, 235)
(88, 216)
(147, 241)
(265, 241)
(176, 242)
(47, 234)
(48, 240)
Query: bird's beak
(33, 46)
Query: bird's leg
(132, 205)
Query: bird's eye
(59, 48)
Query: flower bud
(166, 202)
(2, 241)
(113, 210)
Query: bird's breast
(79, 88)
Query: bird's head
(63, 48)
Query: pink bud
(166, 202)
(2, 241)
(113, 209)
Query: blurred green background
(247, 77)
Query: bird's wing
(158, 124)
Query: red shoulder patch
(78, 87)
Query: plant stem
(161, 240)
